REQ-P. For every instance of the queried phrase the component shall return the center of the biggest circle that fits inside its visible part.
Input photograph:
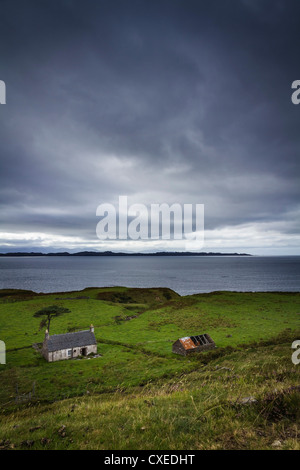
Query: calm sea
(185, 275)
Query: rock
(222, 368)
(248, 400)
(45, 441)
(276, 443)
(62, 431)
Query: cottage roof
(71, 340)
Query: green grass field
(138, 394)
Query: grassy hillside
(145, 395)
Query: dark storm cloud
(165, 101)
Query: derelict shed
(69, 345)
(192, 344)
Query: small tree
(48, 313)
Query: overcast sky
(168, 101)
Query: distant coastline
(112, 253)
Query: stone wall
(64, 354)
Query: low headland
(116, 253)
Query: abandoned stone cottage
(69, 345)
(193, 344)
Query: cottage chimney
(92, 328)
(46, 334)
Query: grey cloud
(166, 101)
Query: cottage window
(69, 352)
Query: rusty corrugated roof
(187, 343)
